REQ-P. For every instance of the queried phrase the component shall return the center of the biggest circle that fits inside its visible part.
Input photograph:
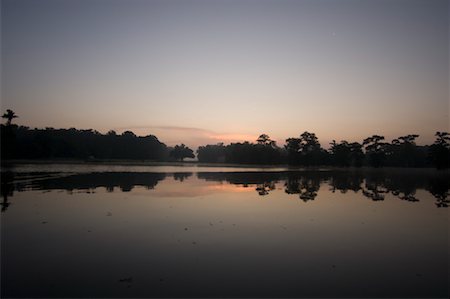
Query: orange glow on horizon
(227, 138)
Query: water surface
(127, 232)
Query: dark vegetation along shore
(19, 142)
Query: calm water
(104, 231)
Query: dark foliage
(375, 150)
(212, 153)
(179, 152)
(18, 142)
(346, 154)
(440, 151)
(306, 151)
(24, 143)
(265, 151)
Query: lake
(173, 231)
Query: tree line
(306, 150)
(19, 142)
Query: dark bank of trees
(264, 151)
(19, 142)
(24, 143)
(306, 150)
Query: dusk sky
(199, 72)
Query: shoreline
(282, 167)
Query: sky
(203, 72)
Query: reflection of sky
(198, 71)
(223, 244)
(197, 187)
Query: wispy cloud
(190, 136)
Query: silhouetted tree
(356, 154)
(211, 153)
(403, 152)
(128, 134)
(179, 152)
(9, 115)
(265, 151)
(264, 139)
(293, 150)
(305, 150)
(375, 150)
(440, 151)
(8, 135)
(346, 154)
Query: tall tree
(305, 150)
(264, 139)
(375, 150)
(9, 115)
(440, 150)
(180, 152)
(403, 151)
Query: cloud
(192, 137)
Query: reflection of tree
(306, 187)
(242, 178)
(405, 195)
(405, 191)
(344, 181)
(292, 186)
(374, 190)
(7, 189)
(373, 184)
(439, 187)
(181, 176)
(126, 181)
(264, 188)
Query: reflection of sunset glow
(175, 189)
(231, 188)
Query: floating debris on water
(127, 279)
